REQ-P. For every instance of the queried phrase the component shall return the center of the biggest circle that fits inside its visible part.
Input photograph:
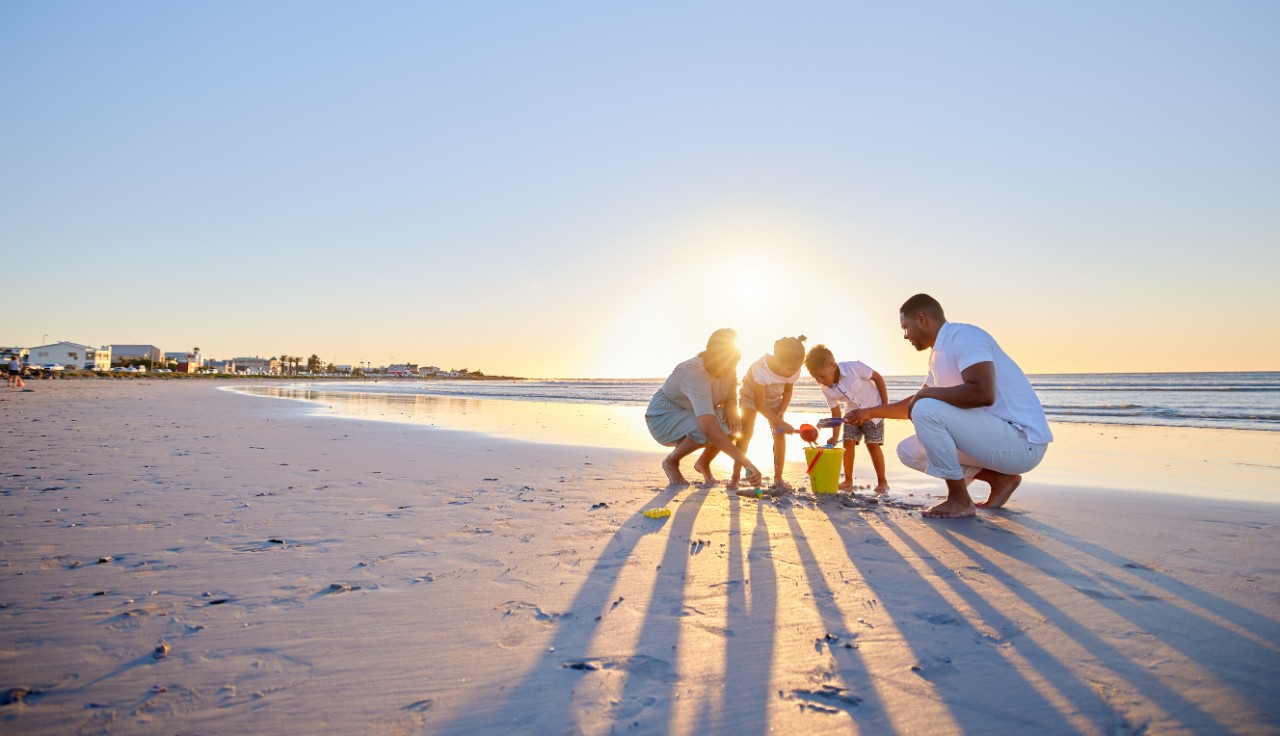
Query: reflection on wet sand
(553, 423)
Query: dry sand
(180, 559)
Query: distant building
(342, 369)
(193, 359)
(121, 353)
(403, 369)
(221, 366)
(8, 354)
(72, 355)
(259, 366)
(430, 370)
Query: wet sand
(181, 559)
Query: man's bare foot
(1002, 487)
(950, 510)
(732, 485)
(672, 469)
(781, 485)
(846, 485)
(705, 469)
(882, 487)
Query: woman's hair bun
(802, 338)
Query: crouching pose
(976, 417)
(697, 408)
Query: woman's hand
(783, 428)
(754, 477)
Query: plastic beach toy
(657, 513)
(824, 467)
(808, 433)
(830, 422)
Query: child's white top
(853, 388)
(760, 373)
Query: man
(976, 417)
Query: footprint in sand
(828, 698)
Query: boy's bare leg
(1002, 487)
(671, 463)
(877, 459)
(847, 483)
(958, 504)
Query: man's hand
(857, 416)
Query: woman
(697, 407)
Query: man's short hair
(923, 303)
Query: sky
(585, 189)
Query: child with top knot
(766, 390)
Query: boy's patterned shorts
(872, 432)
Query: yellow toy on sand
(657, 513)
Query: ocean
(1212, 400)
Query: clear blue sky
(566, 189)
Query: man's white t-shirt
(854, 388)
(960, 346)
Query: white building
(257, 366)
(121, 353)
(72, 355)
(195, 360)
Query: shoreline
(1230, 463)
(311, 574)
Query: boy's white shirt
(854, 389)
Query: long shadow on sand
(750, 626)
(1250, 663)
(545, 700)
(962, 684)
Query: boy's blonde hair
(819, 356)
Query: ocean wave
(1206, 400)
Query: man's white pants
(955, 443)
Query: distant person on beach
(696, 408)
(15, 371)
(766, 390)
(976, 417)
(852, 385)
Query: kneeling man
(976, 417)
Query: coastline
(387, 578)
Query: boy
(856, 386)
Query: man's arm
(978, 389)
(896, 410)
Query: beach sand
(182, 559)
